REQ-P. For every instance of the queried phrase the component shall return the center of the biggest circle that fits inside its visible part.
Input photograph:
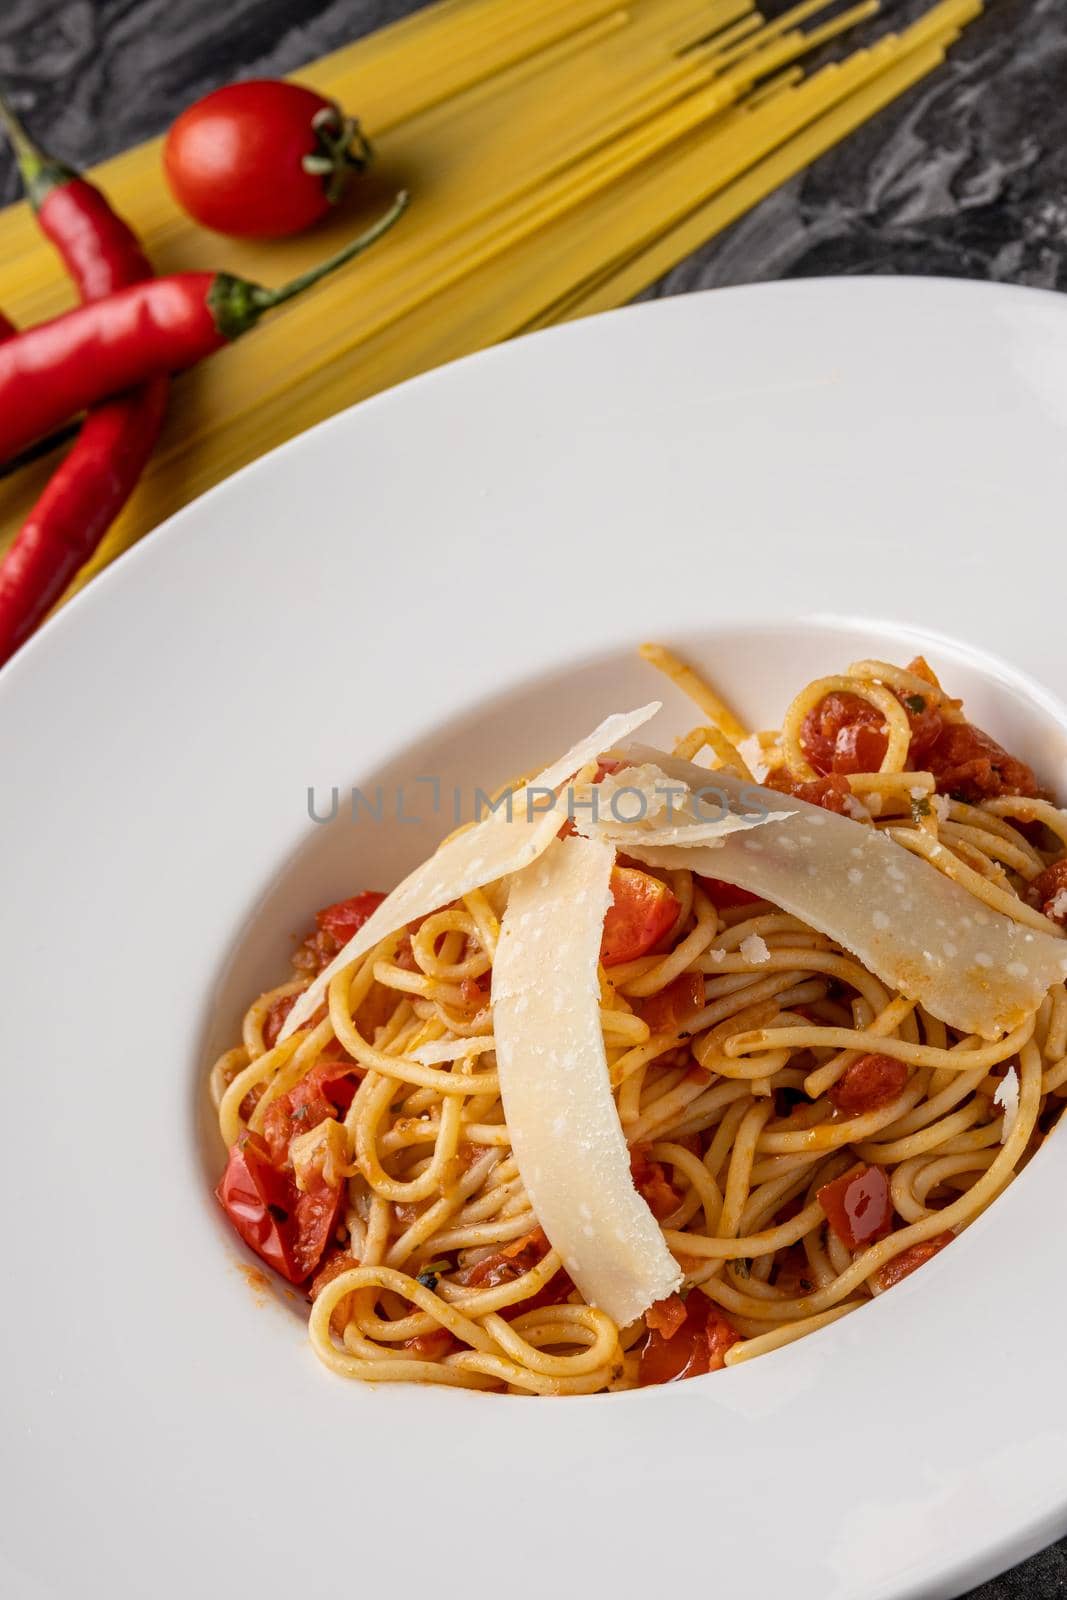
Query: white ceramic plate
(450, 579)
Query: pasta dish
(672, 1057)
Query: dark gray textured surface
(966, 176)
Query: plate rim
(958, 1568)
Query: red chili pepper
(43, 446)
(93, 483)
(50, 372)
(76, 508)
(99, 250)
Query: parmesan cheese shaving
(1007, 1097)
(502, 843)
(665, 811)
(561, 1115)
(909, 924)
(438, 1050)
(610, 733)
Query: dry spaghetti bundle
(562, 154)
(804, 1131)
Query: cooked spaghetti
(803, 1132)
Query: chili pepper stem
(41, 173)
(237, 305)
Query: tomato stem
(41, 173)
(343, 149)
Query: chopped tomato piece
(695, 1346)
(907, 1261)
(433, 1346)
(858, 1206)
(666, 1316)
(860, 748)
(919, 667)
(346, 917)
(333, 1266)
(1049, 891)
(725, 895)
(287, 1229)
(335, 925)
(831, 792)
(720, 1334)
(652, 1184)
(556, 1290)
(533, 1243)
(277, 1012)
(845, 733)
(509, 1262)
(475, 992)
(926, 724)
(674, 1005)
(315, 952)
(327, 1089)
(514, 1261)
(969, 764)
(642, 910)
(869, 1083)
(822, 727)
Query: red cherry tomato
(327, 1091)
(262, 159)
(288, 1229)
(642, 910)
(845, 733)
(346, 917)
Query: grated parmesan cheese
(755, 949)
(1007, 1097)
